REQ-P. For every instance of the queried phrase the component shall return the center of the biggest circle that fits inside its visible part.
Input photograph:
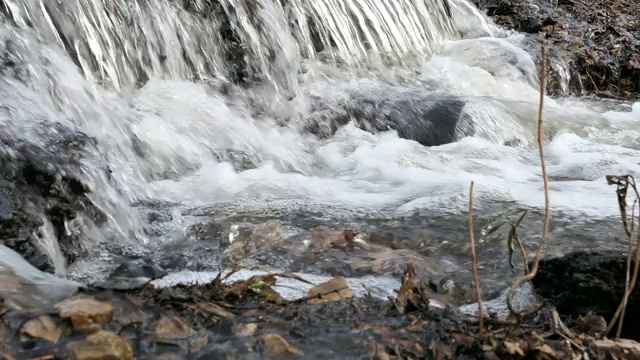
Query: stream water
(192, 153)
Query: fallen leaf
(513, 348)
(332, 290)
(377, 351)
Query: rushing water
(151, 80)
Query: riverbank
(248, 319)
(594, 47)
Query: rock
(276, 346)
(33, 281)
(249, 240)
(323, 237)
(40, 185)
(198, 343)
(43, 327)
(102, 345)
(416, 114)
(332, 290)
(246, 330)
(85, 314)
(172, 328)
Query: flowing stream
(201, 112)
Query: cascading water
(287, 105)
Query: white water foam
(167, 139)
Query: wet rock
(584, 282)
(416, 114)
(323, 238)
(41, 187)
(33, 282)
(333, 290)
(85, 314)
(253, 240)
(172, 328)
(103, 345)
(276, 346)
(246, 330)
(43, 327)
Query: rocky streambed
(249, 319)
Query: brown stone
(172, 328)
(102, 345)
(276, 346)
(43, 327)
(85, 314)
(246, 330)
(332, 290)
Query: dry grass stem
(474, 261)
(547, 215)
(623, 184)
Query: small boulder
(44, 328)
(172, 328)
(246, 330)
(85, 314)
(276, 346)
(102, 345)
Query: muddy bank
(581, 282)
(594, 47)
(248, 319)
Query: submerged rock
(85, 314)
(102, 345)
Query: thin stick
(622, 307)
(547, 214)
(474, 261)
(627, 283)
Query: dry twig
(623, 183)
(474, 261)
(547, 216)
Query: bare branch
(474, 261)
(547, 215)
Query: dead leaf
(412, 292)
(592, 325)
(466, 340)
(216, 310)
(332, 290)
(377, 351)
(546, 349)
(513, 348)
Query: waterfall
(122, 43)
(131, 75)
